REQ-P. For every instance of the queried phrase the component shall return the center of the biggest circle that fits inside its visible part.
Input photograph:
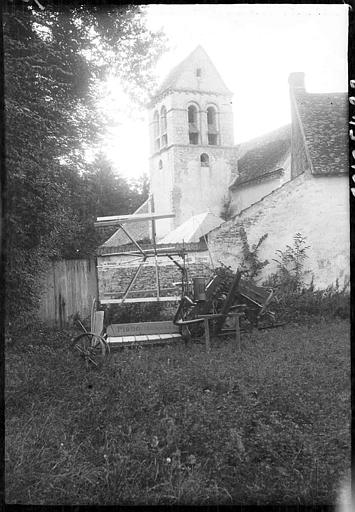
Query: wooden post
(207, 333)
(237, 333)
(154, 240)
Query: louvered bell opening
(193, 128)
(212, 129)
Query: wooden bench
(143, 333)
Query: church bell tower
(192, 143)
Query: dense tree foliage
(54, 61)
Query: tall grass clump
(294, 298)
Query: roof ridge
(299, 119)
(265, 135)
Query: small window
(193, 124)
(198, 72)
(160, 164)
(205, 160)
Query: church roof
(324, 121)
(193, 229)
(138, 230)
(263, 157)
(183, 76)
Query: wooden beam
(176, 263)
(112, 220)
(132, 239)
(141, 299)
(133, 280)
(207, 334)
(237, 333)
(148, 252)
(151, 290)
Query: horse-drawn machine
(219, 303)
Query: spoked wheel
(187, 311)
(92, 348)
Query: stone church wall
(316, 207)
(198, 189)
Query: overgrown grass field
(174, 425)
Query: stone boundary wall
(114, 275)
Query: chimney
(296, 81)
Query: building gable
(195, 73)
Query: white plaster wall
(247, 195)
(316, 207)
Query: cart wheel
(92, 348)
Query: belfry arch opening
(163, 127)
(192, 116)
(156, 131)
(212, 129)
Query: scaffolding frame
(142, 256)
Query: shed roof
(193, 229)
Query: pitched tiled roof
(264, 156)
(138, 230)
(324, 121)
(172, 78)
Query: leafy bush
(251, 266)
(333, 302)
(290, 274)
(294, 299)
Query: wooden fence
(69, 288)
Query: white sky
(254, 47)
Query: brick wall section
(116, 279)
(316, 207)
